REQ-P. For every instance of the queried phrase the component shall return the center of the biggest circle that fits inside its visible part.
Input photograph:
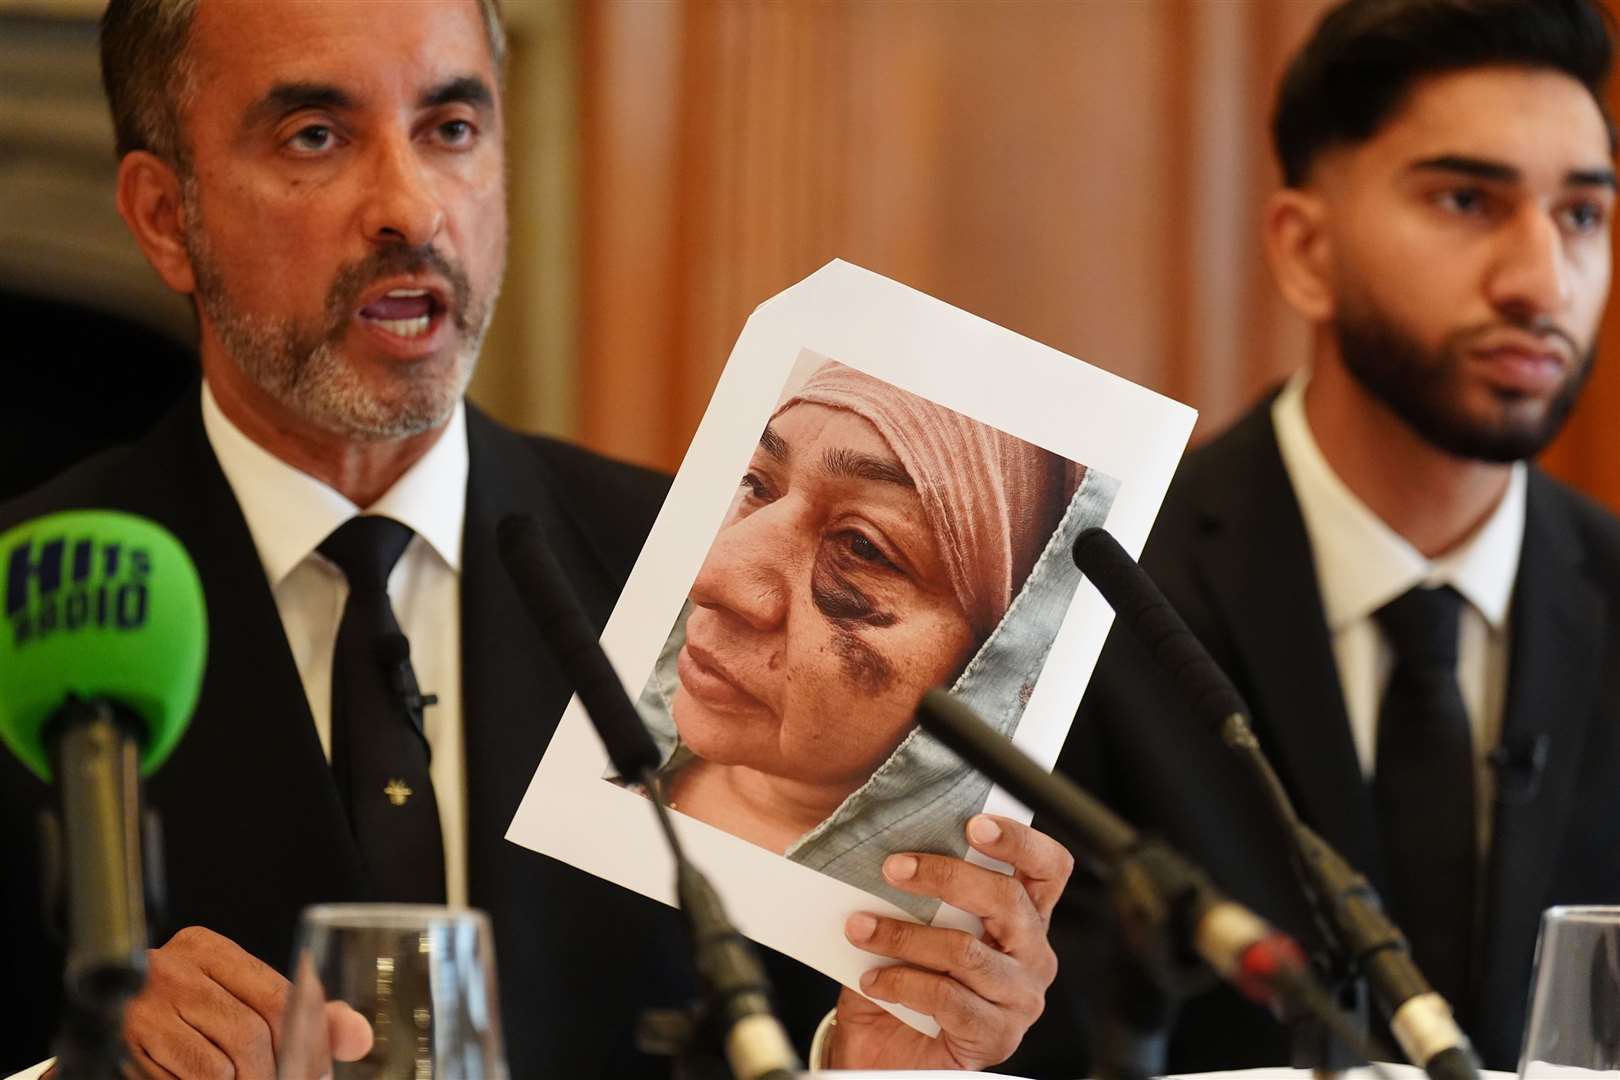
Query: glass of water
(1574, 1027)
(422, 978)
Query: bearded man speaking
(328, 181)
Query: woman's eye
(755, 487)
(866, 551)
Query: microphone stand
(732, 1018)
(1178, 930)
(731, 1021)
(97, 889)
(1363, 941)
(1352, 920)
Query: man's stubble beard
(302, 367)
(1422, 386)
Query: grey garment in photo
(922, 796)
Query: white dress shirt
(289, 513)
(1362, 564)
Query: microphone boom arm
(1346, 907)
(1178, 925)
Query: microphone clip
(1519, 764)
(394, 656)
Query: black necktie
(379, 749)
(1425, 789)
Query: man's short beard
(1423, 387)
(301, 367)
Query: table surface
(1400, 1072)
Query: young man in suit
(1444, 227)
(328, 181)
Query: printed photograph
(881, 498)
(877, 545)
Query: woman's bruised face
(823, 610)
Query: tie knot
(366, 548)
(1422, 624)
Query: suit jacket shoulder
(100, 481)
(244, 859)
(1593, 529)
(610, 504)
(1231, 553)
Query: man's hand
(985, 991)
(211, 1009)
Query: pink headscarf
(993, 500)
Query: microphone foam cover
(98, 604)
(1142, 607)
(556, 613)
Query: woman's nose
(750, 567)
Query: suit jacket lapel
(1558, 624)
(1256, 567)
(512, 689)
(252, 738)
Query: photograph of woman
(878, 545)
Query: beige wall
(528, 373)
(1085, 173)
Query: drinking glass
(422, 977)
(1574, 1027)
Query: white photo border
(938, 352)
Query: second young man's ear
(1299, 250)
(149, 201)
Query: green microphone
(98, 604)
(103, 639)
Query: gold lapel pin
(397, 792)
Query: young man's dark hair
(1365, 55)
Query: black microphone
(738, 989)
(1420, 1018)
(556, 613)
(1519, 763)
(1171, 907)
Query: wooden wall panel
(1086, 173)
(1587, 454)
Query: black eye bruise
(862, 665)
(836, 597)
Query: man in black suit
(328, 182)
(1444, 227)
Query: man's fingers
(241, 974)
(165, 1045)
(964, 1017)
(140, 1066)
(350, 1033)
(235, 1029)
(976, 964)
(208, 1009)
(999, 899)
(986, 991)
(1043, 864)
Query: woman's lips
(708, 681)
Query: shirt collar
(1361, 563)
(289, 512)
